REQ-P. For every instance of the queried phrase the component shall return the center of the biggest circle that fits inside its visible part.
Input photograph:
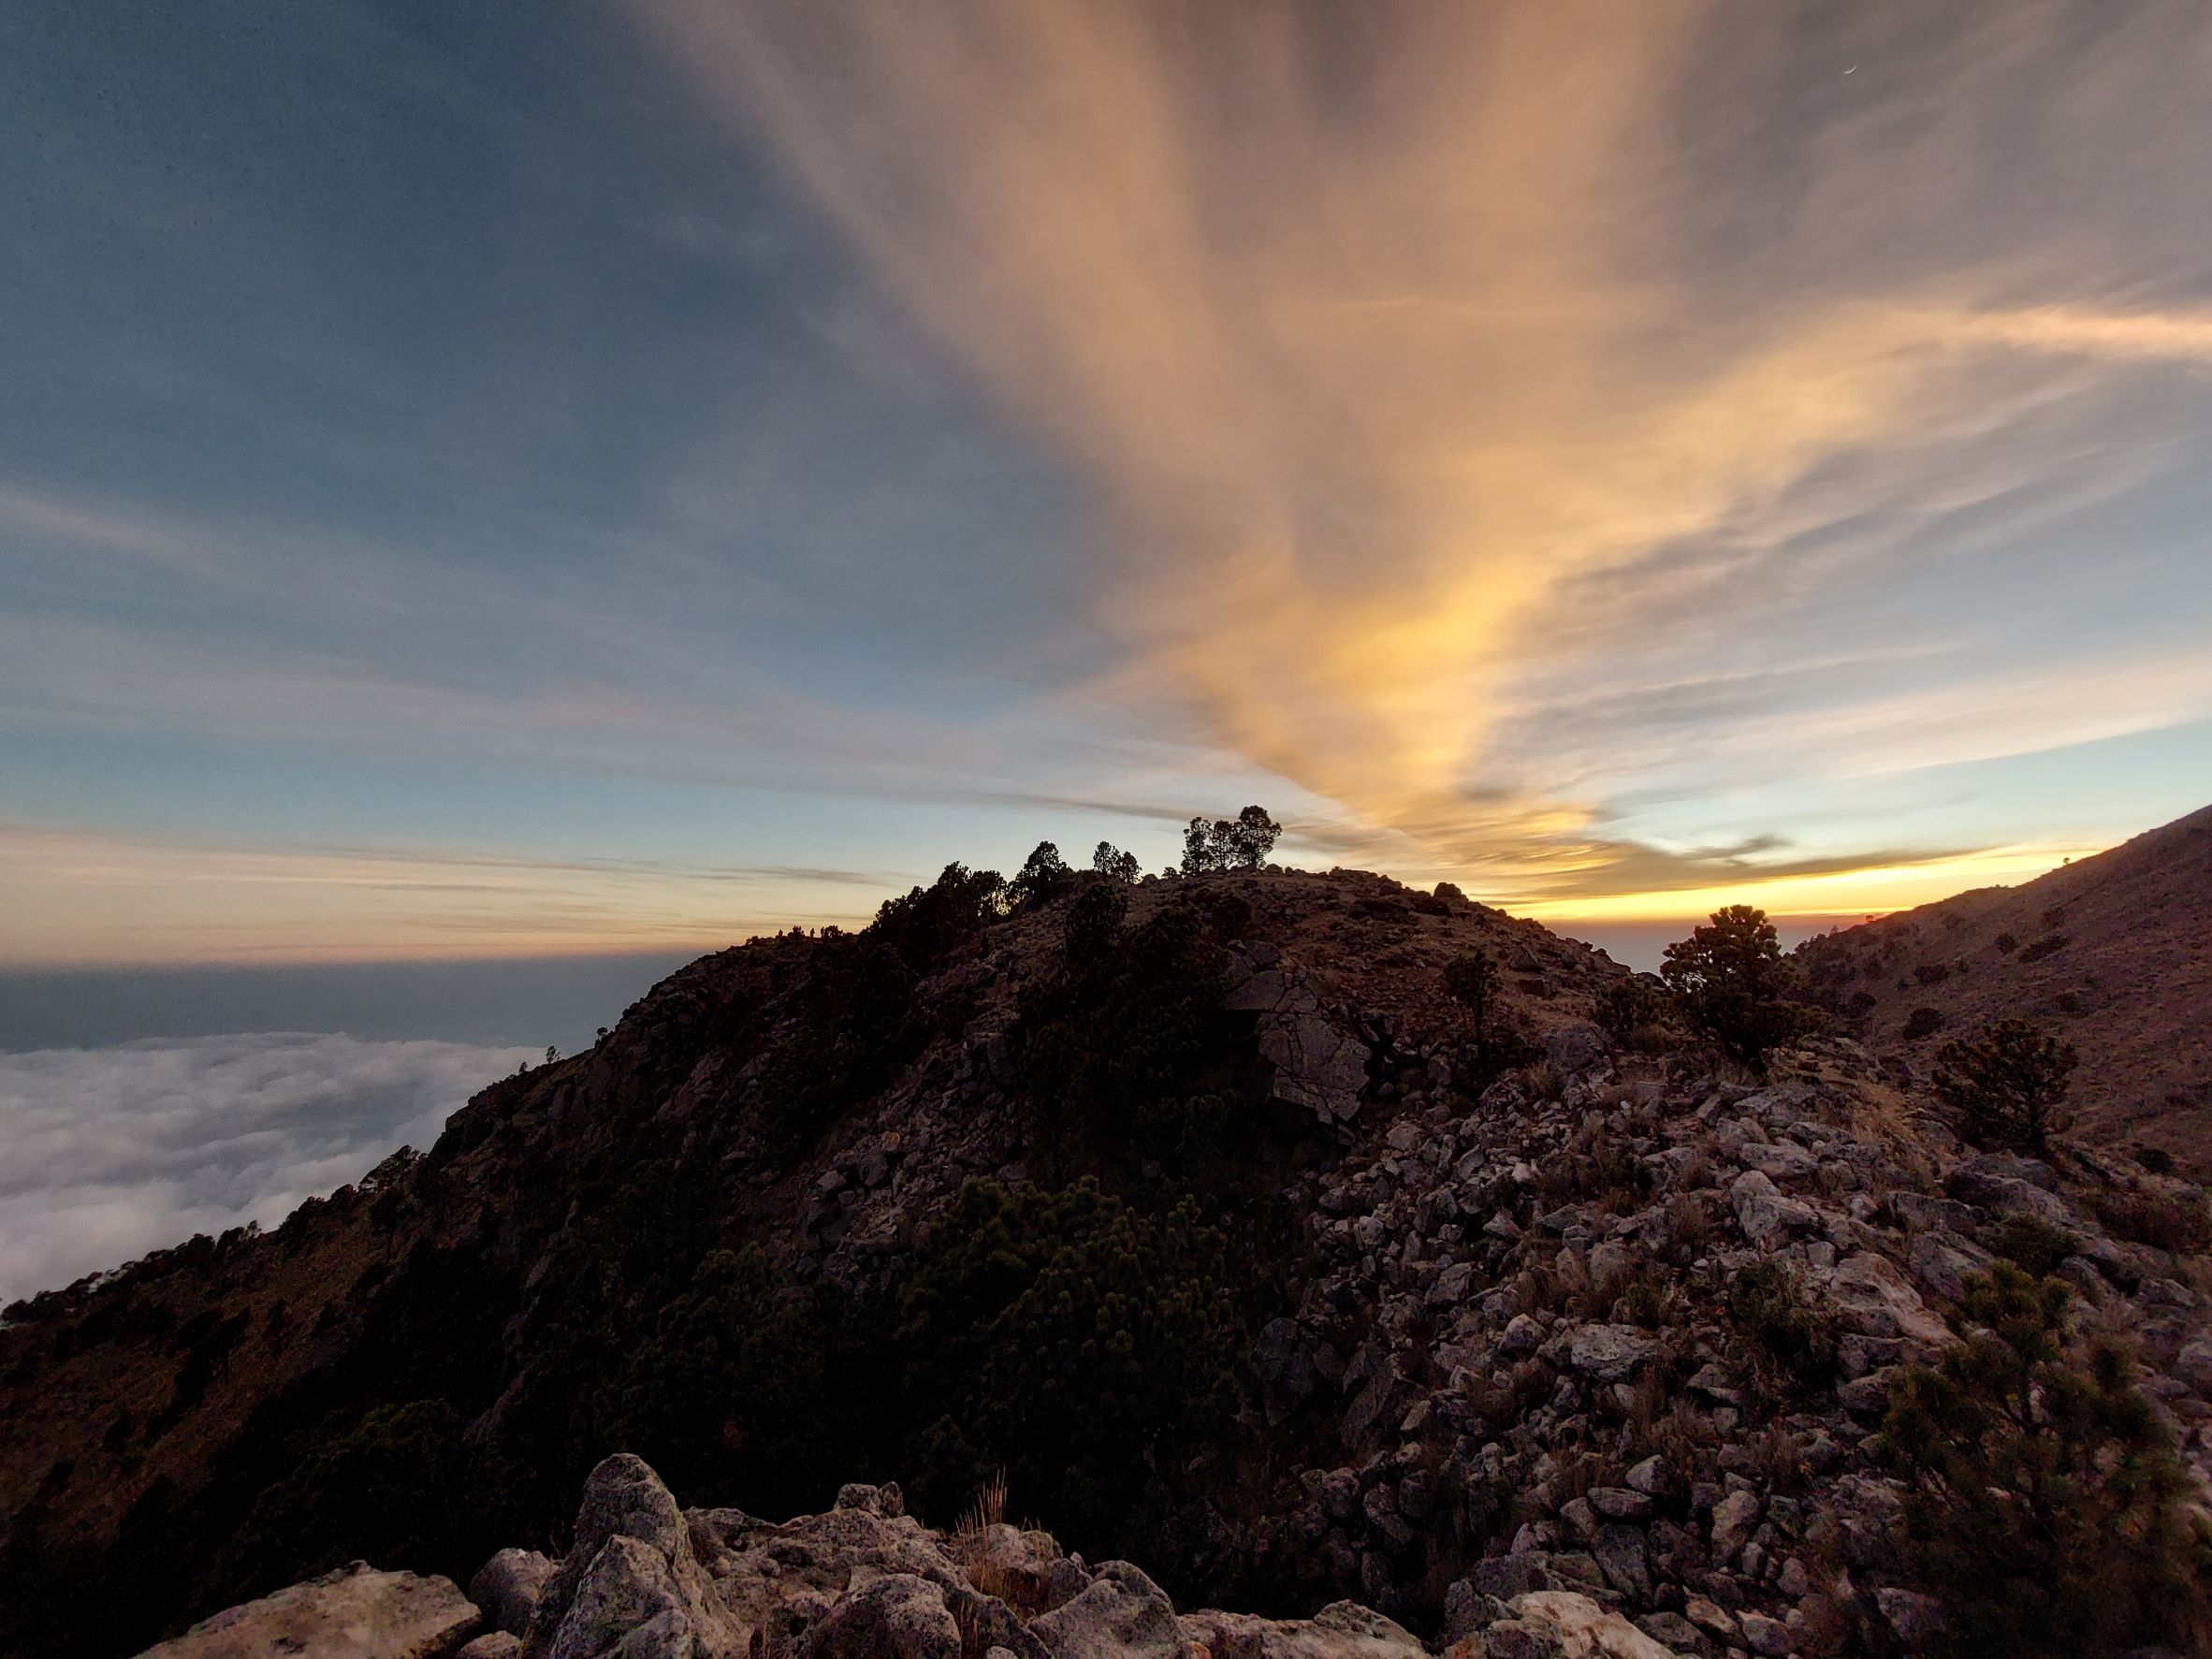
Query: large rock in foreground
(1560, 1625)
(353, 1613)
(1342, 1630)
(646, 1579)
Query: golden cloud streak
(1370, 342)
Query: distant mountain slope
(2113, 952)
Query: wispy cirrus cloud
(1380, 337)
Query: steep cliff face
(2113, 952)
(1198, 1207)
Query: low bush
(2034, 1244)
(1794, 1338)
(2008, 1086)
(1071, 1341)
(1734, 987)
(2044, 1506)
(2163, 1220)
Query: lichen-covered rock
(508, 1586)
(1764, 1213)
(898, 1616)
(1560, 1625)
(1609, 1353)
(1342, 1630)
(630, 1584)
(355, 1612)
(1122, 1614)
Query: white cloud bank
(106, 1154)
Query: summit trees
(1734, 986)
(1242, 843)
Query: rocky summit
(646, 1579)
(1232, 1229)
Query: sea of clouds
(108, 1153)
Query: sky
(509, 481)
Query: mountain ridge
(1251, 1237)
(2113, 952)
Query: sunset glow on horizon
(636, 474)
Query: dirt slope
(2113, 952)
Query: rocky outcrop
(353, 1613)
(1342, 1630)
(864, 1580)
(1520, 1326)
(1560, 1625)
(1319, 1065)
(630, 1585)
(509, 1587)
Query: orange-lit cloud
(1377, 340)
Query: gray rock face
(1342, 1630)
(1874, 1300)
(898, 1616)
(1766, 1216)
(1122, 1614)
(1577, 1050)
(353, 1613)
(1318, 1064)
(507, 1588)
(630, 1585)
(1564, 1624)
(1609, 1353)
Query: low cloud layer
(106, 1154)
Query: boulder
(1121, 1614)
(507, 1588)
(1609, 1353)
(631, 1583)
(1941, 1262)
(898, 1616)
(1342, 1630)
(494, 1644)
(886, 1500)
(1577, 1050)
(1873, 1298)
(1318, 1064)
(1560, 1625)
(355, 1612)
(1766, 1217)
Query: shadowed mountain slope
(1209, 1210)
(2113, 952)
